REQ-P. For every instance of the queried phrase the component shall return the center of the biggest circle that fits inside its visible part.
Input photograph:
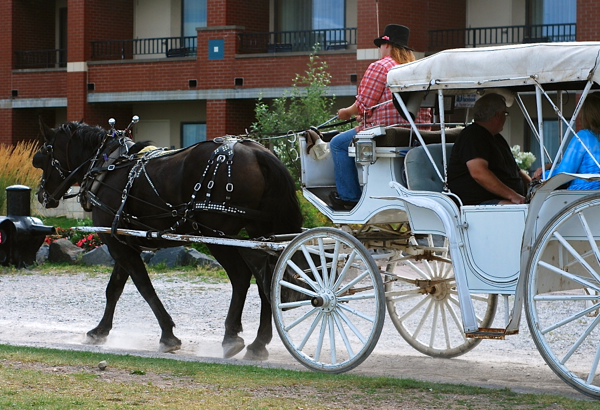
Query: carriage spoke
(290, 305)
(310, 330)
(568, 275)
(354, 329)
(301, 319)
(357, 313)
(313, 268)
(434, 323)
(417, 270)
(357, 296)
(590, 236)
(343, 335)
(303, 275)
(457, 321)
(325, 277)
(445, 323)
(580, 340)
(332, 339)
(414, 309)
(570, 318)
(594, 367)
(336, 253)
(321, 336)
(352, 283)
(397, 294)
(298, 288)
(423, 319)
(408, 295)
(345, 269)
(577, 256)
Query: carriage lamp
(365, 151)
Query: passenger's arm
(524, 177)
(478, 168)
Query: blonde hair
(590, 113)
(401, 55)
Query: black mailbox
(21, 235)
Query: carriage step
(487, 333)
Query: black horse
(213, 188)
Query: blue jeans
(346, 175)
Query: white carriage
(438, 267)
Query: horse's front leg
(257, 350)
(139, 275)
(131, 261)
(114, 289)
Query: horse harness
(118, 157)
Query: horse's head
(61, 158)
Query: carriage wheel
(328, 301)
(563, 295)
(423, 303)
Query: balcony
(55, 58)
(146, 47)
(490, 36)
(288, 41)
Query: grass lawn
(32, 378)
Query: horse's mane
(90, 136)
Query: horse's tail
(279, 200)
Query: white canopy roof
(502, 66)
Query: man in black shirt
(482, 169)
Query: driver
(482, 169)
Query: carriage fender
(448, 214)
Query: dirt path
(56, 310)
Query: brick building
(193, 69)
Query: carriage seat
(420, 174)
(403, 137)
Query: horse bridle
(67, 175)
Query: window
(558, 15)
(305, 17)
(192, 133)
(194, 15)
(294, 15)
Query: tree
(304, 106)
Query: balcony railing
(488, 36)
(286, 41)
(41, 58)
(128, 49)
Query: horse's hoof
(256, 354)
(94, 339)
(170, 345)
(233, 348)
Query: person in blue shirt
(576, 159)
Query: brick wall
(588, 12)
(51, 84)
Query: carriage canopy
(518, 66)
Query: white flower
(523, 159)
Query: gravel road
(55, 310)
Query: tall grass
(16, 168)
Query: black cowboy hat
(394, 34)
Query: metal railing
(127, 49)
(488, 36)
(54, 58)
(287, 41)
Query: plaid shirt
(373, 90)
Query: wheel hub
(326, 301)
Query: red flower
(385, 38)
